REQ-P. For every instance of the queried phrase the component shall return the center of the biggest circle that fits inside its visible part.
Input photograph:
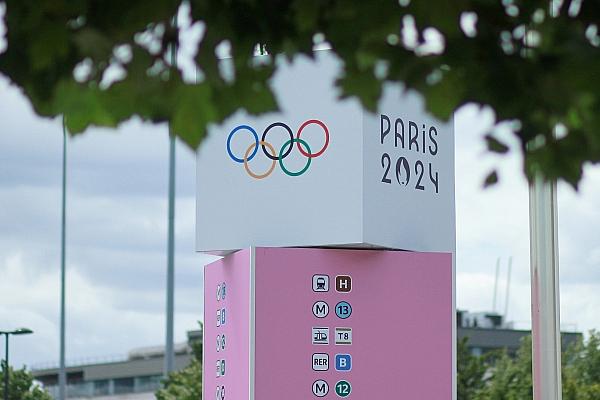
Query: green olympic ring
(283, 148)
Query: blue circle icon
(343, 309)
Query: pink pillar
(304, 323)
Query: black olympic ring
(264, 135)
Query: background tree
(471, 372)
(21, 386)
(509, 378)
(581, 372)
(183, 385)
(187, 383)
(493, 376)
(100, 62)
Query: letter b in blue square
(343, 362)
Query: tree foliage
(581, 375)
(493, 376)
(183, 385)
(187, 383)
(21, 386)
(510, 378)
(100, 62)
(471, 372)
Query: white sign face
(343, 335)
(320, 335)
(408, 180)
(320, 362)
(324, 172)
(320, 388)
(320, 283)
(320, 309)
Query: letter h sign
(343, 283)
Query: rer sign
(324, 172)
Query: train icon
(320, 283)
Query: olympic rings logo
(284, 151)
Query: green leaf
(51, 46)
(495, 145)
(445, 96)
(82, 106)
(362, 85)
(555, 81)
(93, 43)
(491, 179)
(193, 112)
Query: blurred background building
(133, 377)
(487, 331)
(138, 375)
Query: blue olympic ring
(249, 128)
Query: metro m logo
(320, 388)
(320, 309)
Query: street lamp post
(20, 331)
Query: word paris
(413, 139)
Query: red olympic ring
(322, 125)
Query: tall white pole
(169, 345)
(496, 285)
(545, 300)
(506, 298)
(62, 375)
(545, 294)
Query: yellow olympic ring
(247, 154)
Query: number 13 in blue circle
(343, 309)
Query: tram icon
(320, 335)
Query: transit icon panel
(394, 325)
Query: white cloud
(494, 223)
(116, 236)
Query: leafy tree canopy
(493, 376)
(100, 62)
(21, 386)
(497, 376)
(187, 383)
(471, 371)
(183, 385)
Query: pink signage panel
(328, 323)
(226, 333)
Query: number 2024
(403, 172)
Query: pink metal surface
(234, 270)
(401, 323)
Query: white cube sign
(324, 172)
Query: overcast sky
(116, 240)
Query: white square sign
(324, 172)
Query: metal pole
(169, 346)
(169, 358)
(545, 302)
(62, 375)
(507, 289)
(496, 284)
(6, 371)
